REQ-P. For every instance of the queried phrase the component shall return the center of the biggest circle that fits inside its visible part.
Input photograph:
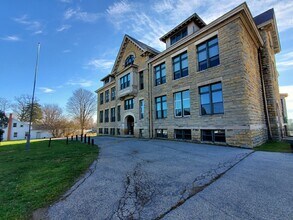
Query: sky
(81, 38)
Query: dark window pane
(214, 61)
(219, 136)
(213, 51)
(218, 108)
(202, 65)
(206, 109)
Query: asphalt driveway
(158, 179)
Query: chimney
(9, 127)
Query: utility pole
(28, 139)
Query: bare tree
(4, 104)
(82, 106)
(52, 118)
(22, 107)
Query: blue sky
(80, 39)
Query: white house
(17, 130)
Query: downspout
(150, 101)
(264, 94)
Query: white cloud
(80, 82)
(30, 25)
(65, 1)
(99, 64)
(47, 90)
(63, 28)
(289, 99)
(285, 61)
(149, 23)
(78, 14)
(66, 51)
(11, 38)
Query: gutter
(264, 95)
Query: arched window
(129, 60)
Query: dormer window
(129, 60)
(179, 35)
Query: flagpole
(27, 146)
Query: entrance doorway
(130, 125)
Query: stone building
(214, 83)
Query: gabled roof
(197, 20)
(268, 18)
(264, 17)
(142, 46)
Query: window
(106, 80)
(106, 131)
(101, 116)
(141, 109)
(128, 104)
(211, 99)
(182, 103)
(118, 113)
(101, 98)
(118, 131)
(180, 65)
(213, 135)
(129, 60)
(112, 114)
(161, 107)
(161, 133)
(112, 131)
(21, 126)
(14, 125)
(179, 36)
(15, 134)
(113, 93)
(107, 115)
(107, 96)
(141, 84)
(125, 81)
(160, 74)
(100, 130)
(208, 54)
(184, 134)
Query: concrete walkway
(154, 179)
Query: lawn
(275, 146)
(34, 179)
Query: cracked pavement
(160, 179)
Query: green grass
(34, 179)
(275, 146)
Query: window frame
(141, 109)
(113, 93)
(128, 104)
(213, 135)
(106, 115)
(183, 134)
(161, 102)
(112, 114)
(178, 36)
(119, 113)
(208, 58)
(163, 78)
(182, 104)
(107, 96)
(210, 92)
(101, 116)
(125, 81)
(129, 60)
(162, 133)
(180, 64)
(101, 98)
(141, 80)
